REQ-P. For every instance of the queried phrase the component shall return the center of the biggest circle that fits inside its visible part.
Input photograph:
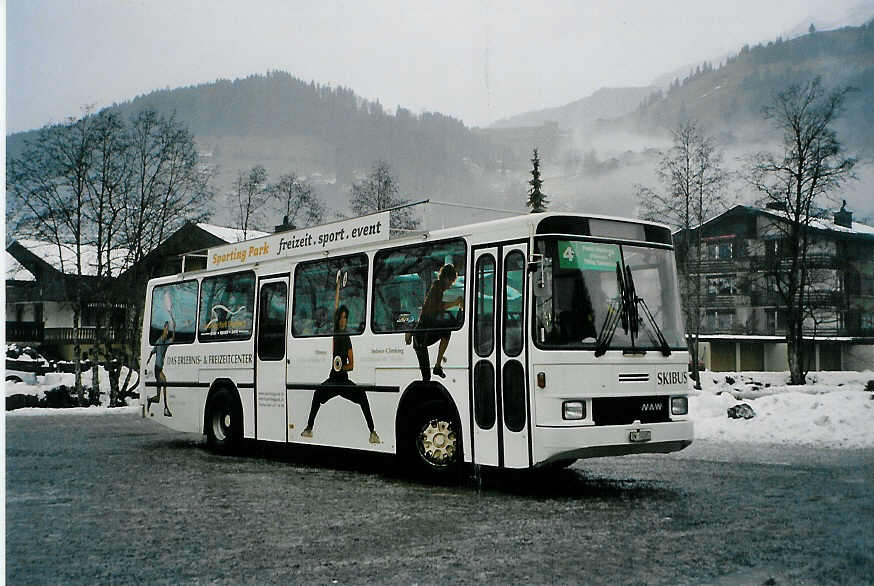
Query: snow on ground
(54, 380)
(39, 411)
(832, 410)
(50, 381)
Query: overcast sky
(478, 61)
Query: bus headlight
(573, 410)
(679, 405)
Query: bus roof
(365, 231)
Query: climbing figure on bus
(436, 322)
(343, 361)
(159, 351)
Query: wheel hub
(438, 442)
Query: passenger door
(499, 388)
(270, 361)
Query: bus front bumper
(552, 444)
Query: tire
(432, 442)
(224, 422)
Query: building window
(721, 320)
(775, 319)
(720, 250)
(721, 285)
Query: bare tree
(115, 187)
(251, 193)
(167, 188)
(796, 182)
(50, 179)
(692, 180)
(379, 191)
(107, 186)
(296, 201)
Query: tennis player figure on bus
(343, 361)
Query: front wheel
(224, 422)
(433, 441)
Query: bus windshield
(577, 287)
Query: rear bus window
(226, 307)
(174, 306)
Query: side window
(484, 324)
(174, 306)
(322, 286)
(514, 306)
(271, 321)
(403, 279)
(227, 305)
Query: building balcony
(35, 333)
(23, 332)
(724, 301)
(718, 266)
(87, 335)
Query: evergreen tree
(536, 198)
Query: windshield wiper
(663, 343)
(614, 316)
(628, 314)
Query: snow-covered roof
(858, 228)
(819, 223)
(230, 235)
(64, 259)
(15, 271)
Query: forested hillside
(732, 96)
(328, 135)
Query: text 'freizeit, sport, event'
(372, 228)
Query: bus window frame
(293, 291)
(196, 311)
(254, 303)
(385, 251)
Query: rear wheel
(224, 422)
(433, 441)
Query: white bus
(517, 343)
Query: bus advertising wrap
(355, 232)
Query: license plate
(640, 435)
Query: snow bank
(833, 410)
(39, 411)
(19, 394)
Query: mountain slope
(604, 103)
